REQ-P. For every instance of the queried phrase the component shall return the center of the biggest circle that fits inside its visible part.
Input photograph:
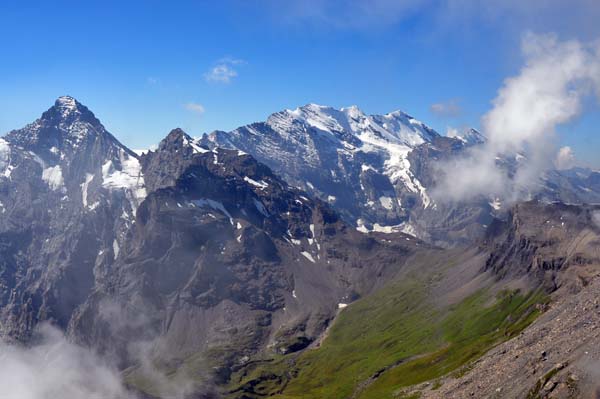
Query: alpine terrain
(307, 256)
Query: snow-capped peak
(353, 112)
(320, 117)
(67, 105)
(468, 136)
(396, 127)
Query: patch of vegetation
(391, 340)
(469, 330)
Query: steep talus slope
(447, 308)
(68, 191)
(557, 246)
(227, 263)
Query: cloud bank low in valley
(54, 368)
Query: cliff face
(227, 262)
(68, 191)
(555, 244)
(555, 248)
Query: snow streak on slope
(341, 155)
(129, 177)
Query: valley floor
(436, 317)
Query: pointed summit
(67, 106)
(177, 134)
(66, 103)
(68, 109)
(65, 129)
(468, 136)
(177, 140)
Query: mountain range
(305, 256)
(379, 171)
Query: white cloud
(142, 151)
(231, 61)
(55, 368)
(565, 159)
(195, 108)
(452, 132)
(548, 91)
(152, 80)
(573, 18)
(220, 73)
(447, 109)
(223, 71)
(343, 14)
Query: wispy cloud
(151, 80)
(195, 108)
(342, 14)
(221, 73)
(54, 367)
(548, 91)
(569, 18)
(565, 158)
(224, 70)
(447, 109)
(231, 61)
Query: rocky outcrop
(229, 262)
(546, 244)
(68, 191)
(553, 249)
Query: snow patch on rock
(53, 177)
(126, 176)
(5, 165)
(216, 205)
(84, 188)
(308, 256)
(260, 184)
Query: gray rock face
(186, 251)
(544, 243)
(198, 258)
(554, 247)
(68, 191)
(227, 262)
(380, 172)
(358, 163)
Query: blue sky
(145, 67)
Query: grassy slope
(397, 333)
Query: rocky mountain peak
(67, 105)
(468, 136)
(177, 140)
(347, 124)
(67, 110)
(175, 137)
(64, 130)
